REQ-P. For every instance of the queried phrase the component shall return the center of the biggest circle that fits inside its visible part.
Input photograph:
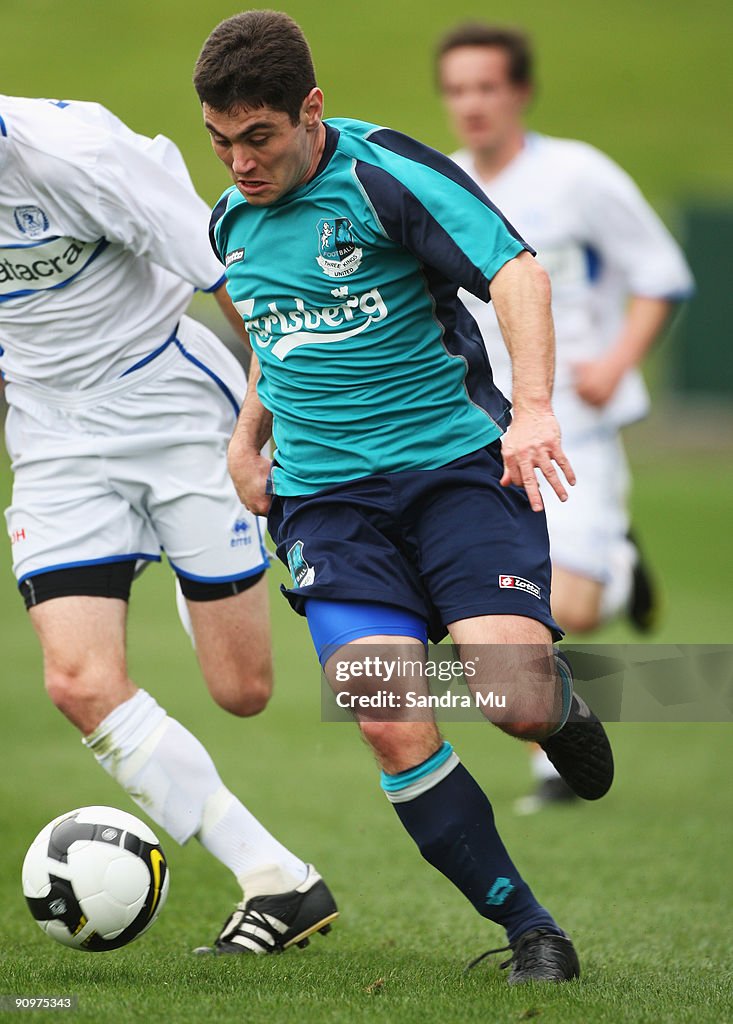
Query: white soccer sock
(542, 766)
(617, 591)
(183, 613)
(168, 773)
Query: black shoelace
(527, 953)
(490, 952)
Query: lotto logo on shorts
(519, 583)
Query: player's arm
(445, 220)
(144, 200)
(248, 468)
(596, 380)
(520, 291)
(233, 317)
(630, 238)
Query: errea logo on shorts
(241, 536)
(519, 583)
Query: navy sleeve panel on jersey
(216, 214)
(425, 203)
(404, 145)
(408, 222)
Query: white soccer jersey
(601, 243)
(102, 243)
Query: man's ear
(312, 109)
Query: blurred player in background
(120, 410)
(345, 245)
(616, 275)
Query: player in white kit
(616, 275)
(120, 412)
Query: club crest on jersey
(31, 220)
(338, 253)
(302, 573)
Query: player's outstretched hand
(533, 442)
(250, 472)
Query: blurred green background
(648, 84)
(644, 81)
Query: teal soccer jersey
(348, 287)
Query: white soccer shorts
(589, 529)
(136, 467)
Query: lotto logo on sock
(499, 891)
(519, 583)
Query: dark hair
(513, 41)
(255, 59)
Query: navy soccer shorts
(444, 544)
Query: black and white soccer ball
(95, 878)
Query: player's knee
(382, 737)
(531, 718)
(77, 692)
(248, 697)
(531, 730)
(399, 746)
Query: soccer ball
(95, 878)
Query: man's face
(267, 155)
(484, 105)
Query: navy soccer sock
(451, 820)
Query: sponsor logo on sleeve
(235, 256)
(507, 582)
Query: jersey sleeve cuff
(214, 287)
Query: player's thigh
(509, 664)
(85, 665)
(500, 629)
(233, 644)
(585, 530)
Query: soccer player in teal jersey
(401, 498)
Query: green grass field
(643, 879)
